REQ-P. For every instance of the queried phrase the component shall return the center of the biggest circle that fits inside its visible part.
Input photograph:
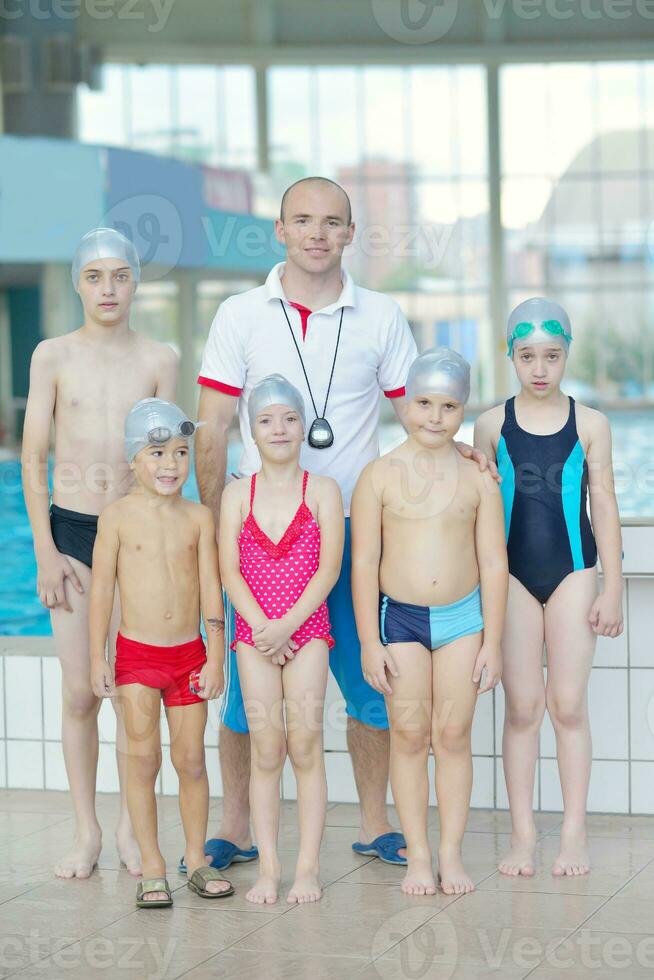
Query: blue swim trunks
(433, 626)
(361, 701)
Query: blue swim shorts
(361, 701)
(433, 626)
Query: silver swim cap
(274, 390)
(105, 243)
(153, 421)
(439, 371)
(538, 321)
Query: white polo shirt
(249, 339)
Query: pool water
(21, 613)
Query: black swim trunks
(73, 533)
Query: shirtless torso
(429, 509)
(157, 567)
(90, 386)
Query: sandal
(202, 876)
(153, 885)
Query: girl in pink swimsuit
(281, 543)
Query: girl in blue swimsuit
(552, 454)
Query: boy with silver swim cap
(428, 553)
(154, 421)
(104, 243)
(274, 390)
(160, 550)
(538, 321)
(93, 375)
(439, 371)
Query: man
(339, 345)
(86, 381)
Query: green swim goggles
(526, 327)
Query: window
(578, 182)
(409, 146)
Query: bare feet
(306, 887)
(264, 891)
(128, 851)
(419, 878)
(520, 859)
(573, 858)
(82, 858)
(452, 876)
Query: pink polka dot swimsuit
(278, 574)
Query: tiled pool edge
(621, 704)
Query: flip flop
(153, 885)
(384, 847)
(201, 877)
(223, 853)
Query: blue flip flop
(384, 847)
(223, 853)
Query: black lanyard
(338, 338)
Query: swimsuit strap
(305, 480)
(510, 421)
(253, 484)
(572, 417)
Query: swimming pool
(21, 613)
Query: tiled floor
(600, 926)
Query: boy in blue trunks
(427, 533)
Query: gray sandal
(153, 885)
(202, 876)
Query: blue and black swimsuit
(545, 492)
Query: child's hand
(284, 654)
(490, 657)
(271, 635)
(375, 661)
(212, 680)
(605, 617)
(52, 572)
(102, 679)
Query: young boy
(162, 551)
(427, 531)
(552, 452)
(86, 381)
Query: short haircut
(322, 180)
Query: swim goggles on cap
(162, 433)
(525, 328)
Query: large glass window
(578, 182)
(409, 146)
(202, 113)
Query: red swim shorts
(164, 667)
